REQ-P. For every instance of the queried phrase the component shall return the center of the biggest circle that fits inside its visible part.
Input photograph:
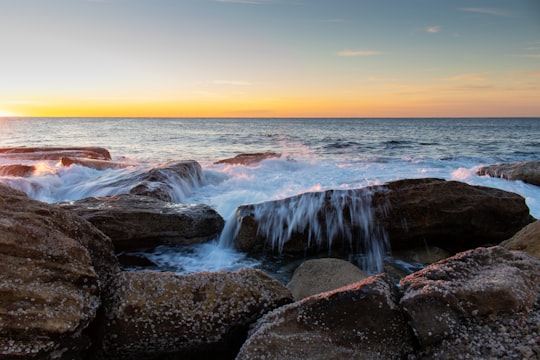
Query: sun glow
(4, 113)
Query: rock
(204, 315)
(54, 153)
(482, 284)
(134, 222)
(322, 275)
(422, 255)
(407, 213)
(249, 159)
(165, 182)
(94, 164)
(526, 171)
(359, 321)
(526, 240)
(53, 265)
(16, 170)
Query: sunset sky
(270, 58)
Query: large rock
(322, 275)
(249, 159)
(16, 170)
(479, 285)
(54, 153)
(204, 315)
(360, 321)
(134, 222)
(52, 267)
(526, 171)
(526, 240)
(407, 213)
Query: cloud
(352, 53)
(467, 78)
(487, 11)
(231, 82)
(433, 29)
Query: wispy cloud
(487, 11)
(474, 77)
(433, 29)
(358, 53)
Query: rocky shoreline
(63, 294)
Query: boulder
(93, 164)
(249, 159)
(54, 153)
(53, 265)
(526, 171)
(526, 240)
(359, 321)
(422, 255)
(16, 170)
(322, 275)
(134, 222)
(479, 285)
(204, 315)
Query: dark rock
(359, 321)
(16, 170)
(204, 315)
(526, 171)
(249, 159)
(92, 163)
(134, 222)
(526, 240)
(54, 153)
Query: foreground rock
(204, 315)
(360, 321)
(52, 267)
(407, 213)
(526, 240)
(322, 275)
(526, 171)
(249, 159)
(134, 222)
(16, 170)
(54, 153)
(478, 289)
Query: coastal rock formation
(134, 222)
(165, 182)
(204, 315)
(526, 240)
(249, 159)
(322, 275)
(407, 213)
(16, 170)
(53, 265)
(480, 285)
(92, 163)
(422, 255)
(526, 171)
(361, 321)
(54, 153)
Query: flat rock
(204, 315)
(134, 222)
(526, 171)
(249, 159)
(17, 170)
(54, 153)
(526, 240)
(93, 163)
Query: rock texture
(52, 267)
(92, 163)
(360, 321)
(322, 275)
(422, 255)
(17, 170)
(54, 153)
(526, 171)
(526, 240)
(203, 315)
(134, 222)
(479, 285)
(249, 159)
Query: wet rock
(526, 240)
(134, 222)
(53, 265)
(526, 171)
(422, 255)
(54, 153)
(204, 315)
(249, 159)
(322, 275)
(92, 163)
(359, 321)
(484, 284)
(16, 170)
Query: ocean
(317, 154)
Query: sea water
(317, 155)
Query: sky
(270, 58)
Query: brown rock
(92, 163)
(482, 283)
(526, 171)
(526, 240)
(249, 159)
(49, 289)
(16, 170)
(134, 222)
(54, 153)
(422, 255)
(359, 321)
(203, 315)
(322, 275)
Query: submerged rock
(359, 321)
(53, 265)
(134, 222)
(526, 171)
(54, 153)
(204, 315)
(249, 159)
(526, 240)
